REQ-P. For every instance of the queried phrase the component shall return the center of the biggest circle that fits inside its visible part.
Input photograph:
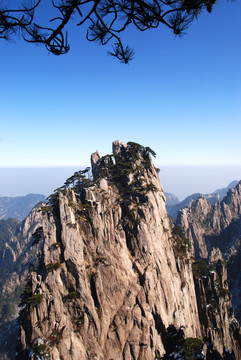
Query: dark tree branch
(107, 20)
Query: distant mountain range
(173, 204)
(101, 272)
(215, 229)
(18, 207)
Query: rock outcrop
(218, 227)
(114, 279)
(209, 226)
(215, 309)
(16, 257)
(217, 195)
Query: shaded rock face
(234, 275)
(95, 158)
(16, 255)
(215, 310)
(218, 226)
(111, 280)
(213, 226)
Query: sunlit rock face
(173, 205)
(209, 226)
(112, 278)
(215, 232)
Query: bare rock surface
(174, 205)
(216, 230)
(212, 225)
(113, 282)
(16, 257)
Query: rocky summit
(209, 226)
(218, 226)
(116, 280)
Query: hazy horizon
(179, 96)
(180, 180)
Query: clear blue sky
(181, 97)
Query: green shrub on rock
(35, 299)
(193, 348)
(53, 266)
(200, 268)
(73, 295)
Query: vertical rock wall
(109, 283)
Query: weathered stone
(203, 222)
(95, 157)
(16, 257)
(212, 230)
(116, 147)
(116, 284)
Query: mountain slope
(114, 279)
(16, 256)
(212, 198)
(171, 199)
(218, 226)
(210, 226)
(223, 192)
(18, 207)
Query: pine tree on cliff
(105, 21)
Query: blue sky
(181, 97)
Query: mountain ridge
(218, 226)
(213, 197)
(115, 279)
(18, 207)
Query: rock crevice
(113, 281)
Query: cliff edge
(115, 279)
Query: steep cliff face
(218, 226)
(219, 326)
(16, 255)
(213, 226)
(234, 276)
(114, 281)
(217, 195)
